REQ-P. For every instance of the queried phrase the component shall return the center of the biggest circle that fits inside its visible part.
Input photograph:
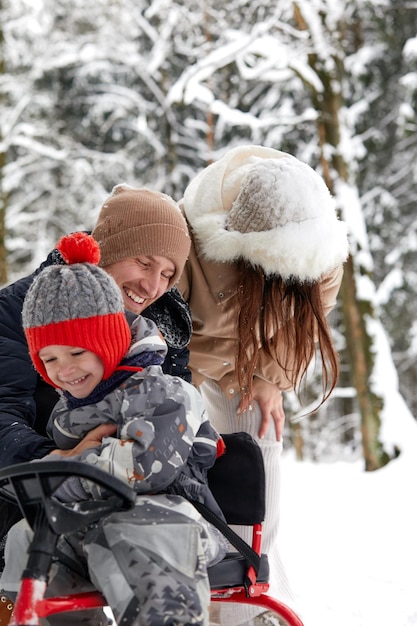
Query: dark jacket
(26, 400)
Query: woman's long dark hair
(285, 319)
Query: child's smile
(73, 369)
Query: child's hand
(92, 440)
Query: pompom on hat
(77, 304)
(270, 209)
(140, 222)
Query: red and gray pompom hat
(77, 304)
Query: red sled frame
(238, 578)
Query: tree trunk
(359, 349)
(297, 440)
(359, 344)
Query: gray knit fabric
(67, 292)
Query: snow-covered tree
(148, 93)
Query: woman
(264, 271)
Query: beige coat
(210, 289)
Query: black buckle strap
(237, 542)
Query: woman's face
(142, 280)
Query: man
(144, 243)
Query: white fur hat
(269, 208)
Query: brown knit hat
(135, 222)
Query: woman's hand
(269, 398)
(91, 440)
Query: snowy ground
(349, 539)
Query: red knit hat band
(108, 336)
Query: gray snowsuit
(149, 562)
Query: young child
(150, 562)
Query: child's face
(73, 369)
(142, 280)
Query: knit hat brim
(108, 336)
(146, 240)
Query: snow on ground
(349, 540)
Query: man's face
(142, 280)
